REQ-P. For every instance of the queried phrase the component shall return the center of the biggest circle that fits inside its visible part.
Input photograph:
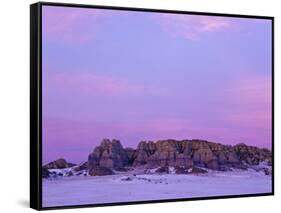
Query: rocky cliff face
(110, 154)
(179, 154)
(252, 155)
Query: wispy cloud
(67, 24)
(93, 83)
(193, 27)
(249, 104)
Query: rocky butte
(185, 156)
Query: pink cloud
(252, 90)
(70, 24)
(249, 107)
(250, 99)
(193, 27)
(91, 83)
(257, 120)
(74, 139)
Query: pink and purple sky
(147, 76)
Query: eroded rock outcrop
(110, 154)
(100, 171)
(58, 164)
(182, 155)
(252, 155)
(175, 153)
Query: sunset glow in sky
(147, 76)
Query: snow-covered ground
(79, 190)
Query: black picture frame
(36, 102)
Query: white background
(14, 105)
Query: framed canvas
(133, 105)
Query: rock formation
(81, 167)
(58, 164)
(182, 155)
(185, 156)
(252, 155)
(45, 173)
(110, 154)
(100, 171)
